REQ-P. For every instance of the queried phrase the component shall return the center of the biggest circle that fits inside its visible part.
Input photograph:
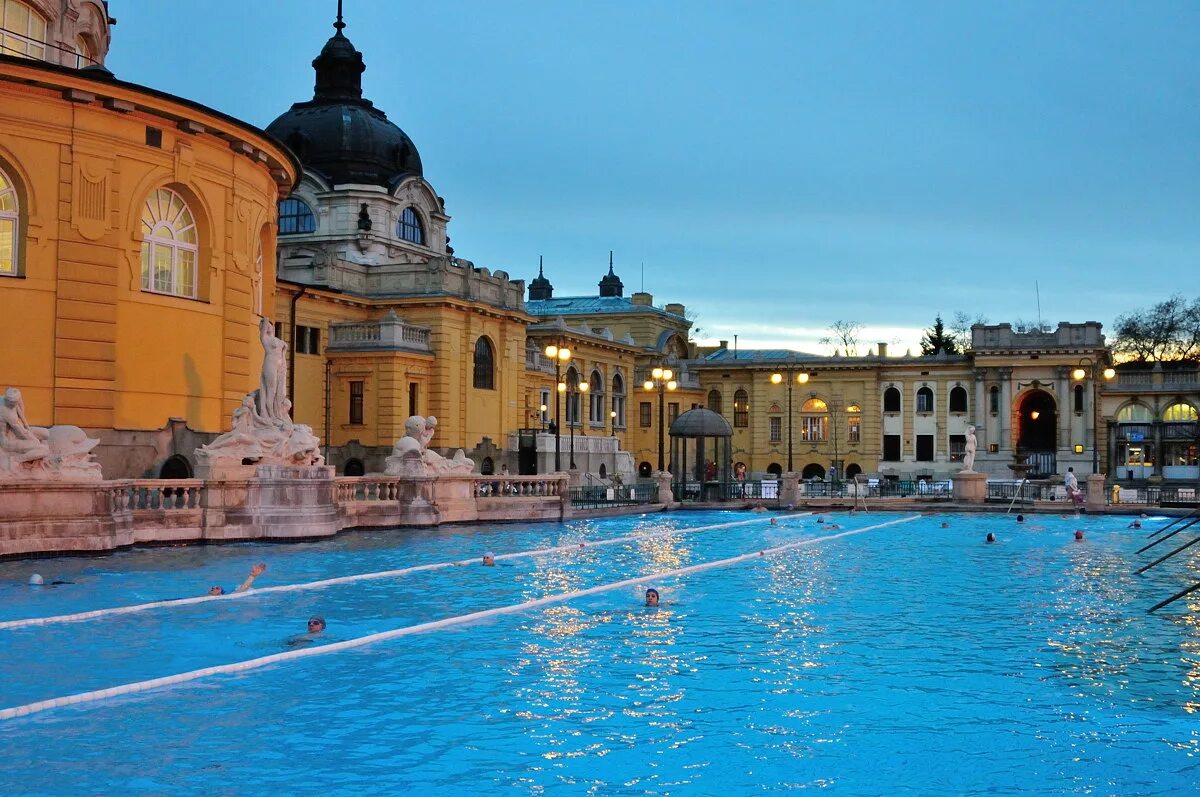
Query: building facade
(137, 243)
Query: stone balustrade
(518, 487)
(389, 333)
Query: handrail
(1174, 597)
(1172, 523)
(1016, 495)
(1165, 557)
(1169, 536)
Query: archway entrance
(176, 467)
(812, 471)
(1038, 419)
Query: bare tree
(1170, 330)
(844, 335)
(960, 328)
(696, 331)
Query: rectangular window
(958, 447)
(925, 447)
(776, 425)
(994, 400)
(672, 412)
(924, 401)
(855, 422)
(414, 393)
(644, 411)
(741, 410)
(545, 402)
(813, 428)
(356, 403)
(308, 340)
(891, 448)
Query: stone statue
(32, 453)
(412, 456)
(263, 432)
(969, 451)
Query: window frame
(410, 227)
(357, 391)
(152, 220)
(645, 414)
(297, 217)
(892, 390)
(10, 218)
(483, 373)
(741, 408)
(962, 405)
(22, 43)
(925, 402)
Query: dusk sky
(774, 166)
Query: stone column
(789, 489)
(1065, 408)
(1156, 473)
(1095, 492)
(1006, 397)
(663, 479)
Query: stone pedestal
(54, 517)
(278, 502)
(789, 489)
(663, 479)
(970, 487)
(1095, 492)
(454, 498)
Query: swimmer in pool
(1137, 524)
(1020, 518)
(255, 572)
(1078, 536)
(316, 626)
(774, 522)
(489, 559)
(652, 597)
(945, 525)
(36, 580)
(990, 538)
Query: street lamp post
(1085, 369)
(612, 422)
(542, 415)
(580, 389)
(558, 355)
(801, 378)
(661, 379)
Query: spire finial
(339, 24)
(610, 271)
(540, 266)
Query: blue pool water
(909, 659)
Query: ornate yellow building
(137, 243)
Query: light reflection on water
(909, 660)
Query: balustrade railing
(157, 494)
(367, 488)
(517, 487)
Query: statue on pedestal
(412, 456)
(263, 432)
(969, 451)
(33, 453)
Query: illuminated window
(8, 226)
(296, 217)
(1135, 413)
(409, 227)
(618, 400)
(1180, 412)
(169, 248)
(854, 424)
(22, 30)
(814, 427)
(741, 408)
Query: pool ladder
(1192, 519)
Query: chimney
(675, 309)
(724, 344)
(882, 350)
(642, 298)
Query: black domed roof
(340, 135)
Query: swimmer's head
(489, 559)
(216, 590)
(36, 580)
(1079, 535)
(945, 525)
(774, 522)
(316, 625)
(1020, 518)
(652, 597)
(991, 537)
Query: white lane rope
(328, 582)
(434, 625)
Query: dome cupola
(610, 283)
(338, 134)
(539, 286)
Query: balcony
(389, 333)
(1153, 381)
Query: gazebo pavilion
(701, 458)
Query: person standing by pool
(255, 572)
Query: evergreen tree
(936, 340)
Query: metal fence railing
(600, 496)
(1155, 495)
(768, 491)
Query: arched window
(741, 408)
(812, 471)
(296, 217)
(925, 400)
(814, 423)
(994, 400)
(175, 467)
(618, 400)
(596, 402)
(9, 225)
(22, 30)
(714, 400)
(1135, 413)
(354, 467)
(891, 400)
(485, 365)
(852, 470)
(1079, 398)
(487, 467)
(409, 227)
(775, 469)
(1179, 412)
(169, 245)
(854, 424)
(571, 381)
(83, 53)
(958, 399)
